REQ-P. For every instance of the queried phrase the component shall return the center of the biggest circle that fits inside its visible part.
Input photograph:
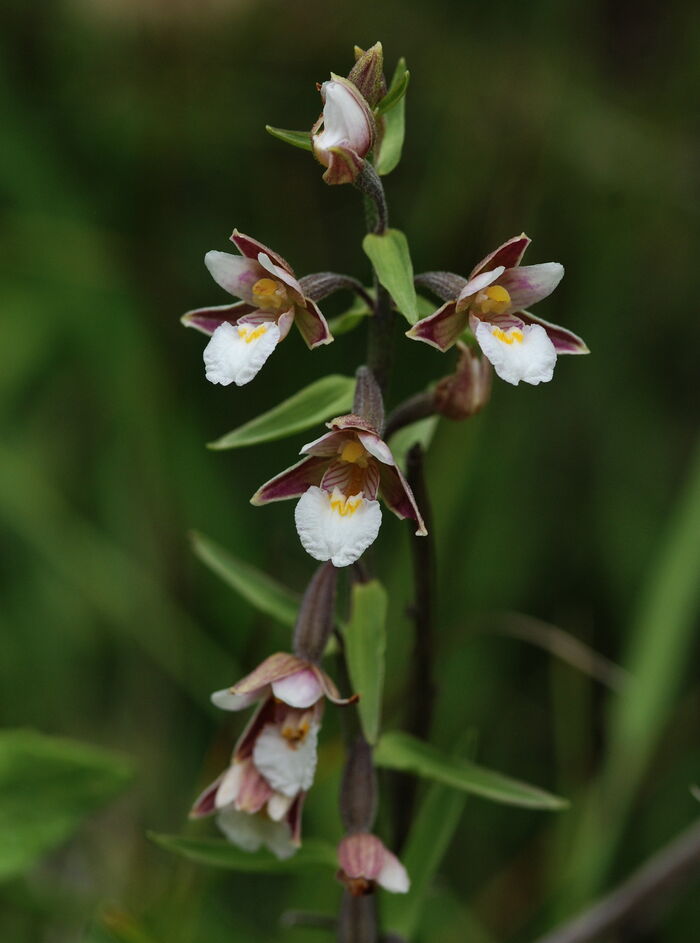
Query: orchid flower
(337, 516)
(365, 861)
(259, 798)
(348, 130)
(244, 334)
(492, 302)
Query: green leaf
(300, 139)
(48, 785)
(394, 121)
(431, 833)
(350, 319)
(390, 256)
(397, 89)
(322, 399)
(403, 752)
(365, 645)
(312, 856)
(257, 588)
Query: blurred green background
(133, 141)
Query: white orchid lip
(287, 765)
(518, 352)
(237, 352)
(336, 527)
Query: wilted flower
(492, 301)
(365, 862)
(243, 335)
(338, 516)
(259, 798)
(348, 130)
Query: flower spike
(243, 335)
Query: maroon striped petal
(508, 255)
(251, 248)
(292, 482)
(441, 329)
(398, 497)
(207, 320)
(312, 325)
(565, 341)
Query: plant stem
(422, 683)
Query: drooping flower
(244, 334)
(493, 303)
(365, 862)
(348, 130)
(258, 800)
(338, 515)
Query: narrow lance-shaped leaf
(48, 785)
(300, 139)
(322, 399)
(312, 856)
(397, 89)
(394, 122)
(259, 589)
(365, 645)
(391, 258)
(403, 752)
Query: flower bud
(358, 791)
(368, 73)
(348, 131)
(368, 402)
(316, 615)
(467, 390)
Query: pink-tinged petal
(529, 284)
(205, 803)
(361, 856)
(230, 784)
(226, 701)
(328, 444)
(344, 165)
(292, 482)
(477, 283)
(253, 792)
(282, 275)
(234, 273)
(294, 818)
(207, 320)
(398, 497)
(312, 325)
(565, 342)
(251, 249)
(351, 422)
(274, 668)
(301, 689)
(351, 478)
(508, 255)
(393, 876)
(330, 690)
(285, 321)
(376, 447)
(441, 329)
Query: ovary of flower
(236, 352)
(336, 527)
(270, 295)
(492, 300)
(518, 353)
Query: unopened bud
(467, 390)
(358, 791)
(368, 73)
(316, 615)
(368, 403)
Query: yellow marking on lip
(249, 334)
(510, 336)
(346, 507)
(295, 735)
